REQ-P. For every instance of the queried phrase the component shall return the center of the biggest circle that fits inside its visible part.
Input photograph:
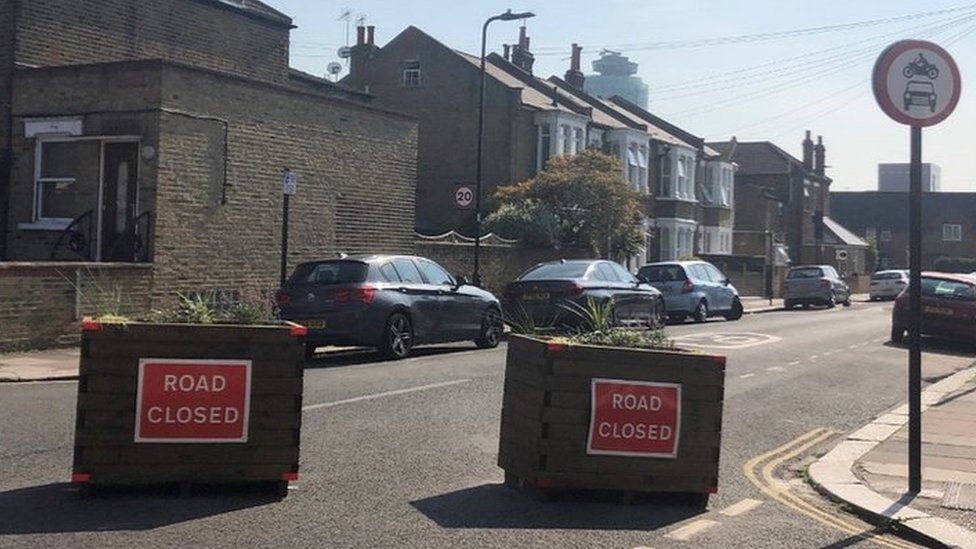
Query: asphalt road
(403, 454)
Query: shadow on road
(59, 508)
(939, 346)
(367, 356)
(496, 506)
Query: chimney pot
(360, 35)
(575, 62)
(807, 152)
(370, 31)
(523, 39)
(574, 77)
(508, 51)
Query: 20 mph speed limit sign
(464, 196)
(916, 83)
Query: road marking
(686, 532)
(383, 394)
(744, 376)
(828, 353)
(794, 363)
(776, 369)
(736, 340)
(779, 490)
(814, 357)
(852, 346)
(743, 506)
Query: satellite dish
(344, 52)
(334, 68)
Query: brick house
(948, 224)
(155, 134)
(530, 119)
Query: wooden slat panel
(210, 454)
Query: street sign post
(916, 83)
(289, 184)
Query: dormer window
(411, 74)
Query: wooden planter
(552, 437)
(227, 410)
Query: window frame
(952, 232)
(411, 76)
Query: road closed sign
(916, 83)
(634, 418)
(193, 401)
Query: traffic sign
(634, 418)
(916, 83)
(464, 196)
(192, 401)
(290, 182)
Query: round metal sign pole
(916, 83)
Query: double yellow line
(760, 471)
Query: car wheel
(310, 351)
(701, 312)
(787, 304)
(847, 302)
(897, 334)
(660, 317)
(831, 301)
(736, 312)
(397, 337)
(491, 330)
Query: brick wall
(204, 33)
(43, 302)
(356, 170)
(6, 70)
(499, 264)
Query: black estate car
(390, 302)
(550, 293)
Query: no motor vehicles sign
(193, 401)
(634, 418)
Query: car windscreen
(663, 273)
(556, 270)
(886, 276)
(948, 289)
(809, 272)
(330, 273)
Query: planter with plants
(611, 409)
(203, 394)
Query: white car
(887, 284)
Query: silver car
(815, 285)
(695, 289)
(887, 284)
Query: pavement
(62, 364)
(869, 472)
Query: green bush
(955, 264)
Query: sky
(756, 90)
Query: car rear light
(573, 289)
(825, 284)
(688, 286)
(282, 299)
(363, 294)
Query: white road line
(828, 353)
(814, 357)
(776, 369)
(743, 376)
(743, 506)
(383, 394)
(852, 346)
(794, 363)
(686, 532)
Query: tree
(587, 199)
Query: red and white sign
(464, 196)
(916, 83)
(187, 401)
(634, 418)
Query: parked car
(815, 285)
(553, 294)
(887, 284)
(390, 302)
(695, 289)
(948, 308)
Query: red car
(948, 308)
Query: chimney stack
(819, 154)
(508, 52)
(574, 76)
(370, 31)
(808, 153)
(360, 35)
(521, 56)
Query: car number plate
(316, 323)
(539, 296)
(944, 311)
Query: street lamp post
(507, 16)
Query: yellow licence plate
(938, 311)
(317, 323)
(536, 296)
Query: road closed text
(634, 418)
(193, 400)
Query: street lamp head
(509, 16)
